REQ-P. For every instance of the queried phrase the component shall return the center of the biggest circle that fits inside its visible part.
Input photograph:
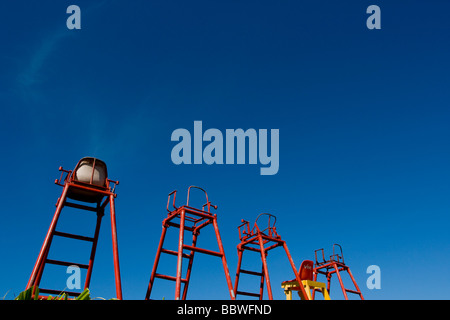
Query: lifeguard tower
(190, 219)
(88, 185)
(261, 240)
(334, 265)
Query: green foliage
(85, 295)
(28, 295)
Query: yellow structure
(309, 285)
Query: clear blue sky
(363, 118)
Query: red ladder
(261, 241)
(335, 265)
(193, 220)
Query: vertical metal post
(189, 268)
(115, 247)
(328, 283)
(224, 260)
(266, 270)
(261, 285)
(180, 256)
(100, 214)
(155, 264)
(340, 281)
(236, 281)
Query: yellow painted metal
(309, 285)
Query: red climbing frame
(335, 265)
(99, 193)
(261, 240)
(190, 219)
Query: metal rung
(185, 255)
(352, 291)
(59, 292)
(214, 253)
(67, 264)
(247, 294)
(80, 206)
(176, 225)
(162, 276)
(251, 248)
(192, 219)
(197, 212)
(252, 272)
(73, 236)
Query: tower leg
(266, 270)
(236, 281)
(100, 214)
(189, 269)
(354, 283)
(340, 281)
(302, 291)
(180, 256)
(38, 269)
(261, 284)
(224, 260)
(328, 282)
(155, 264)
(115, 248)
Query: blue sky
(363, 118)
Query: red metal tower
(193, 220)
(87, 184)
(333, 265)
(262, 240)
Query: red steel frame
(261, 241)
(334, 265)
(95, 194)
(190, 219)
